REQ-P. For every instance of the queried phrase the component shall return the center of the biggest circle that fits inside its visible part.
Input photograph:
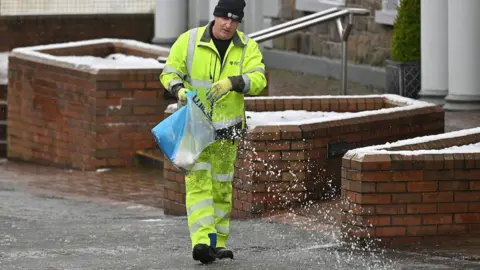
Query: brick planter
(280, 166)
(82, 116)
(399, 196)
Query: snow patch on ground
(383, 148)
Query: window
(317, 5)
(388, 12)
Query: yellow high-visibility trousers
(209, 194)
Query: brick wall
(3, 120)
(21, 31)
(369, 42)
(49, 114)
(403, 198)
(280, 166)
(126, 111)
(81, 119)
(174, 190)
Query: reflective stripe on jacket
(195, 62)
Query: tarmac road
(49, 232)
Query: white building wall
(463, 55)
(198, 13)
(434, 42)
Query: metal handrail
(344, 31)
(293, 22)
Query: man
(223, 64)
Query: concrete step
(152, 158)
(3, 92)
(3, 130)
(3, 111)
(3, 148)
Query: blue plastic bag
(183, 135)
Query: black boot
(203, 253)
(223, 253)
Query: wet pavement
(139, 185)
(42, 230)
(461, 120)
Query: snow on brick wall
(421, 188)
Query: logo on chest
(234, 63)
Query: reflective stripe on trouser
(209, 193)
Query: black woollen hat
(230, 9)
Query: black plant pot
(403, 79)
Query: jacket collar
(206, 37)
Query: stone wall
(368, 44)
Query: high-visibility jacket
(195, 62)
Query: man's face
(224, 28)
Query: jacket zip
(217, 58)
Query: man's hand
(182, 95)
(219, 89)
